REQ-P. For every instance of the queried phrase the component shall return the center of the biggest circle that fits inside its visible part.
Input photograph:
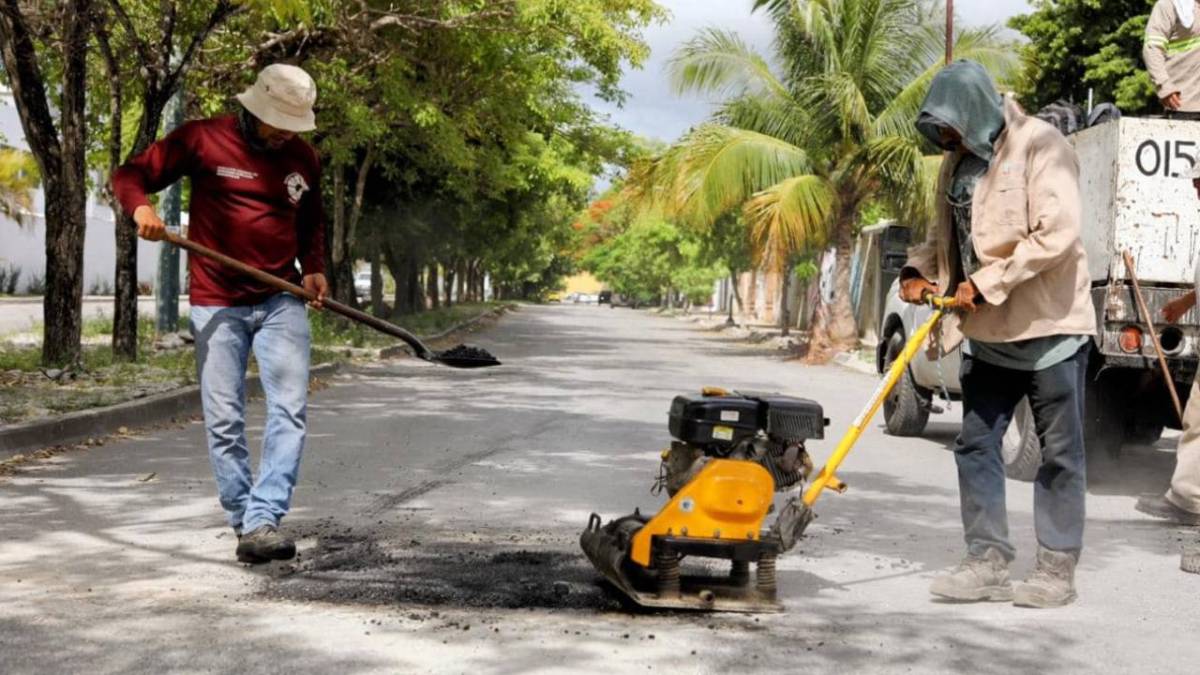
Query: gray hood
(963, 97)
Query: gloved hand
(914, 289)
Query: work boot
(1190, 562)
(976, 579)
(1052, 582)
(1161, 507)
(264, 544)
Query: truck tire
(1106, 418)
(906, 409)
(1021, 447)
(1144, 433)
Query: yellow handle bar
(825, 478)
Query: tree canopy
(1077, 45)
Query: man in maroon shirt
(256, 197)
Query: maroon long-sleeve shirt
(260, 206)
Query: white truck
(1137, 196)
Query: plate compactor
(731, 453)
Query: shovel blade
(464, 356)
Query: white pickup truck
(1137, 196)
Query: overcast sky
(653, 111)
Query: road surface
(438, 516)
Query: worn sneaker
(264, 544)
(976, 579)
(1052, 582)
(1160, 507)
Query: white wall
(24, 245)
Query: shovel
(458, 357)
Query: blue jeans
(990, 394)
(277, 331)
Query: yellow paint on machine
(727, 500)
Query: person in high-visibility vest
(1172, 54)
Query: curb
(77, 426)
(402, 348)
(852, 362)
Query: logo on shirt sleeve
(296, 186)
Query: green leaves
(791, 216)
(1077, 45)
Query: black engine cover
(790, 419)
(725, 421)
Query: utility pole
(949, 32)
(166, 292)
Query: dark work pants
(990, 393)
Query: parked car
(605, 297)
(362, 284)
(555, 296)
(906, 411)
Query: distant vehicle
(362, 284)
(589, 298)
(555, 296)
(572, 297)
(605, 298)
(620, 300)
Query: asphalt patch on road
(360, 569)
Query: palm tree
(804, 141)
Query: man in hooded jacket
(1006, 245)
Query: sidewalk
(20, 314)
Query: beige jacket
(1172, 54)
(1025, 223)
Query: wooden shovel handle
(286, 286)
(1141, 305)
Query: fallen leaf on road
(147, 477)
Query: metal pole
(166, 292)
(949, 31)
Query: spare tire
(1021, 448)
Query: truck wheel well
(890, 327)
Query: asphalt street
(438, 516)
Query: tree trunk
(341, 274)
(61, 159)
(344, 269)
(431, 286)
(752, 294)
(66, 223)
(460, 278)
(834, 328)
(377, 285)
(415, 305)
(737, 294)
(397, 264)
(785, 316)
(448, 283)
